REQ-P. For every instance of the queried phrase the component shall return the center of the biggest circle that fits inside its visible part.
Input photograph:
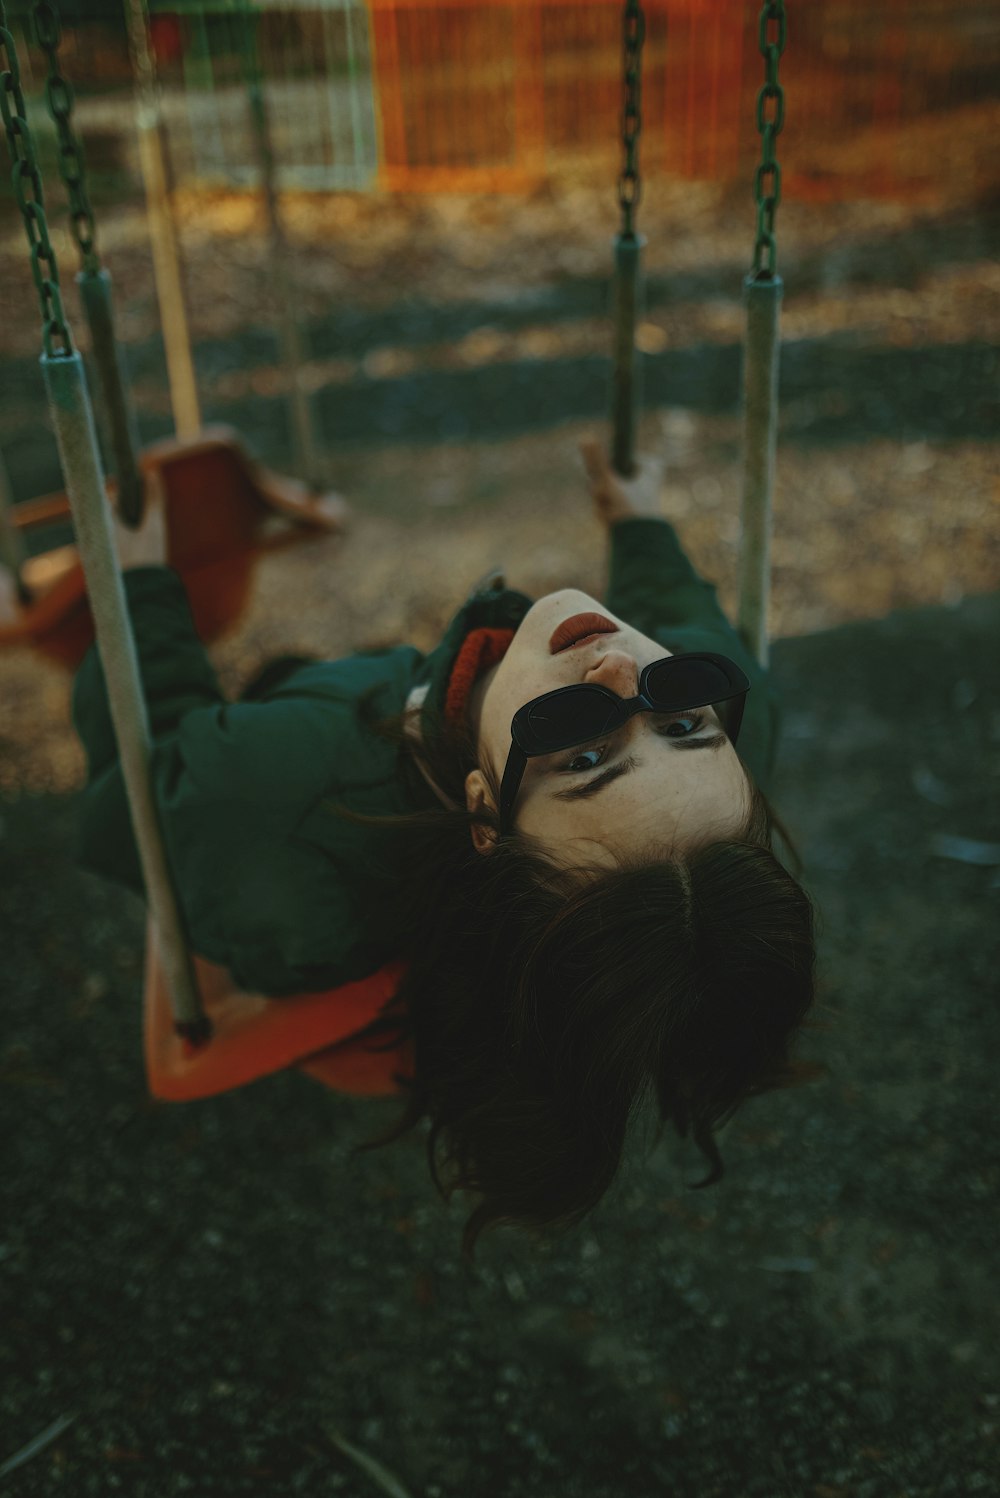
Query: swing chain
(25, 175)
(248, 25)
(768, 195)
(629, 184)
(247, 29)
(59, 97)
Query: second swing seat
(224, 511)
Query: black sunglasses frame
(525, 744)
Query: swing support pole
(760, 431)
(95, 294)
(303, 436)
(763, 290)
(72, 418)
(162, 232)
(626, 393)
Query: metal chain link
(629, 184)
(248, 24)
(247, 30)
(59, 97)
(768, 196)
(27, 181)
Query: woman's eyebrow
(593, 787)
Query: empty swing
(224, 509)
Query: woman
(584, 925)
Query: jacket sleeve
(652, 584)
(175, 672)
(176, 678)
(229, 782)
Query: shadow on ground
(214, 1291)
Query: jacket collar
(490, 605)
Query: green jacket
(287, 896)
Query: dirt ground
(214, 1300)
(222, 1299)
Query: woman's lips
(578, 629)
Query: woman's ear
(477, 796)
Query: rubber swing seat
(254, 1036)
(224, 510)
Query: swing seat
(224, 510)
(254, 1036)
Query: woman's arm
(230, 782)
(651, 582)
(653, 585)
(176, 676)
(174, 668)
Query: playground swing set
(224, 509)
(202, 1034)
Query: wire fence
(453, 95)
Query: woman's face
(672, 793)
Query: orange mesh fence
(497, 97)
(502, 95)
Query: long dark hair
(545, 1005)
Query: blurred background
(445, 186)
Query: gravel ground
(216, 1294)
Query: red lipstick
(578, 628)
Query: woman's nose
(616, 670)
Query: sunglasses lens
(578, 714)
(679, 683)
(575, 718)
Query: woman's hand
(616, 498)
(146, 546)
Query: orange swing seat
(224, 510)
(254, 1036)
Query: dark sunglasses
(571, 716)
